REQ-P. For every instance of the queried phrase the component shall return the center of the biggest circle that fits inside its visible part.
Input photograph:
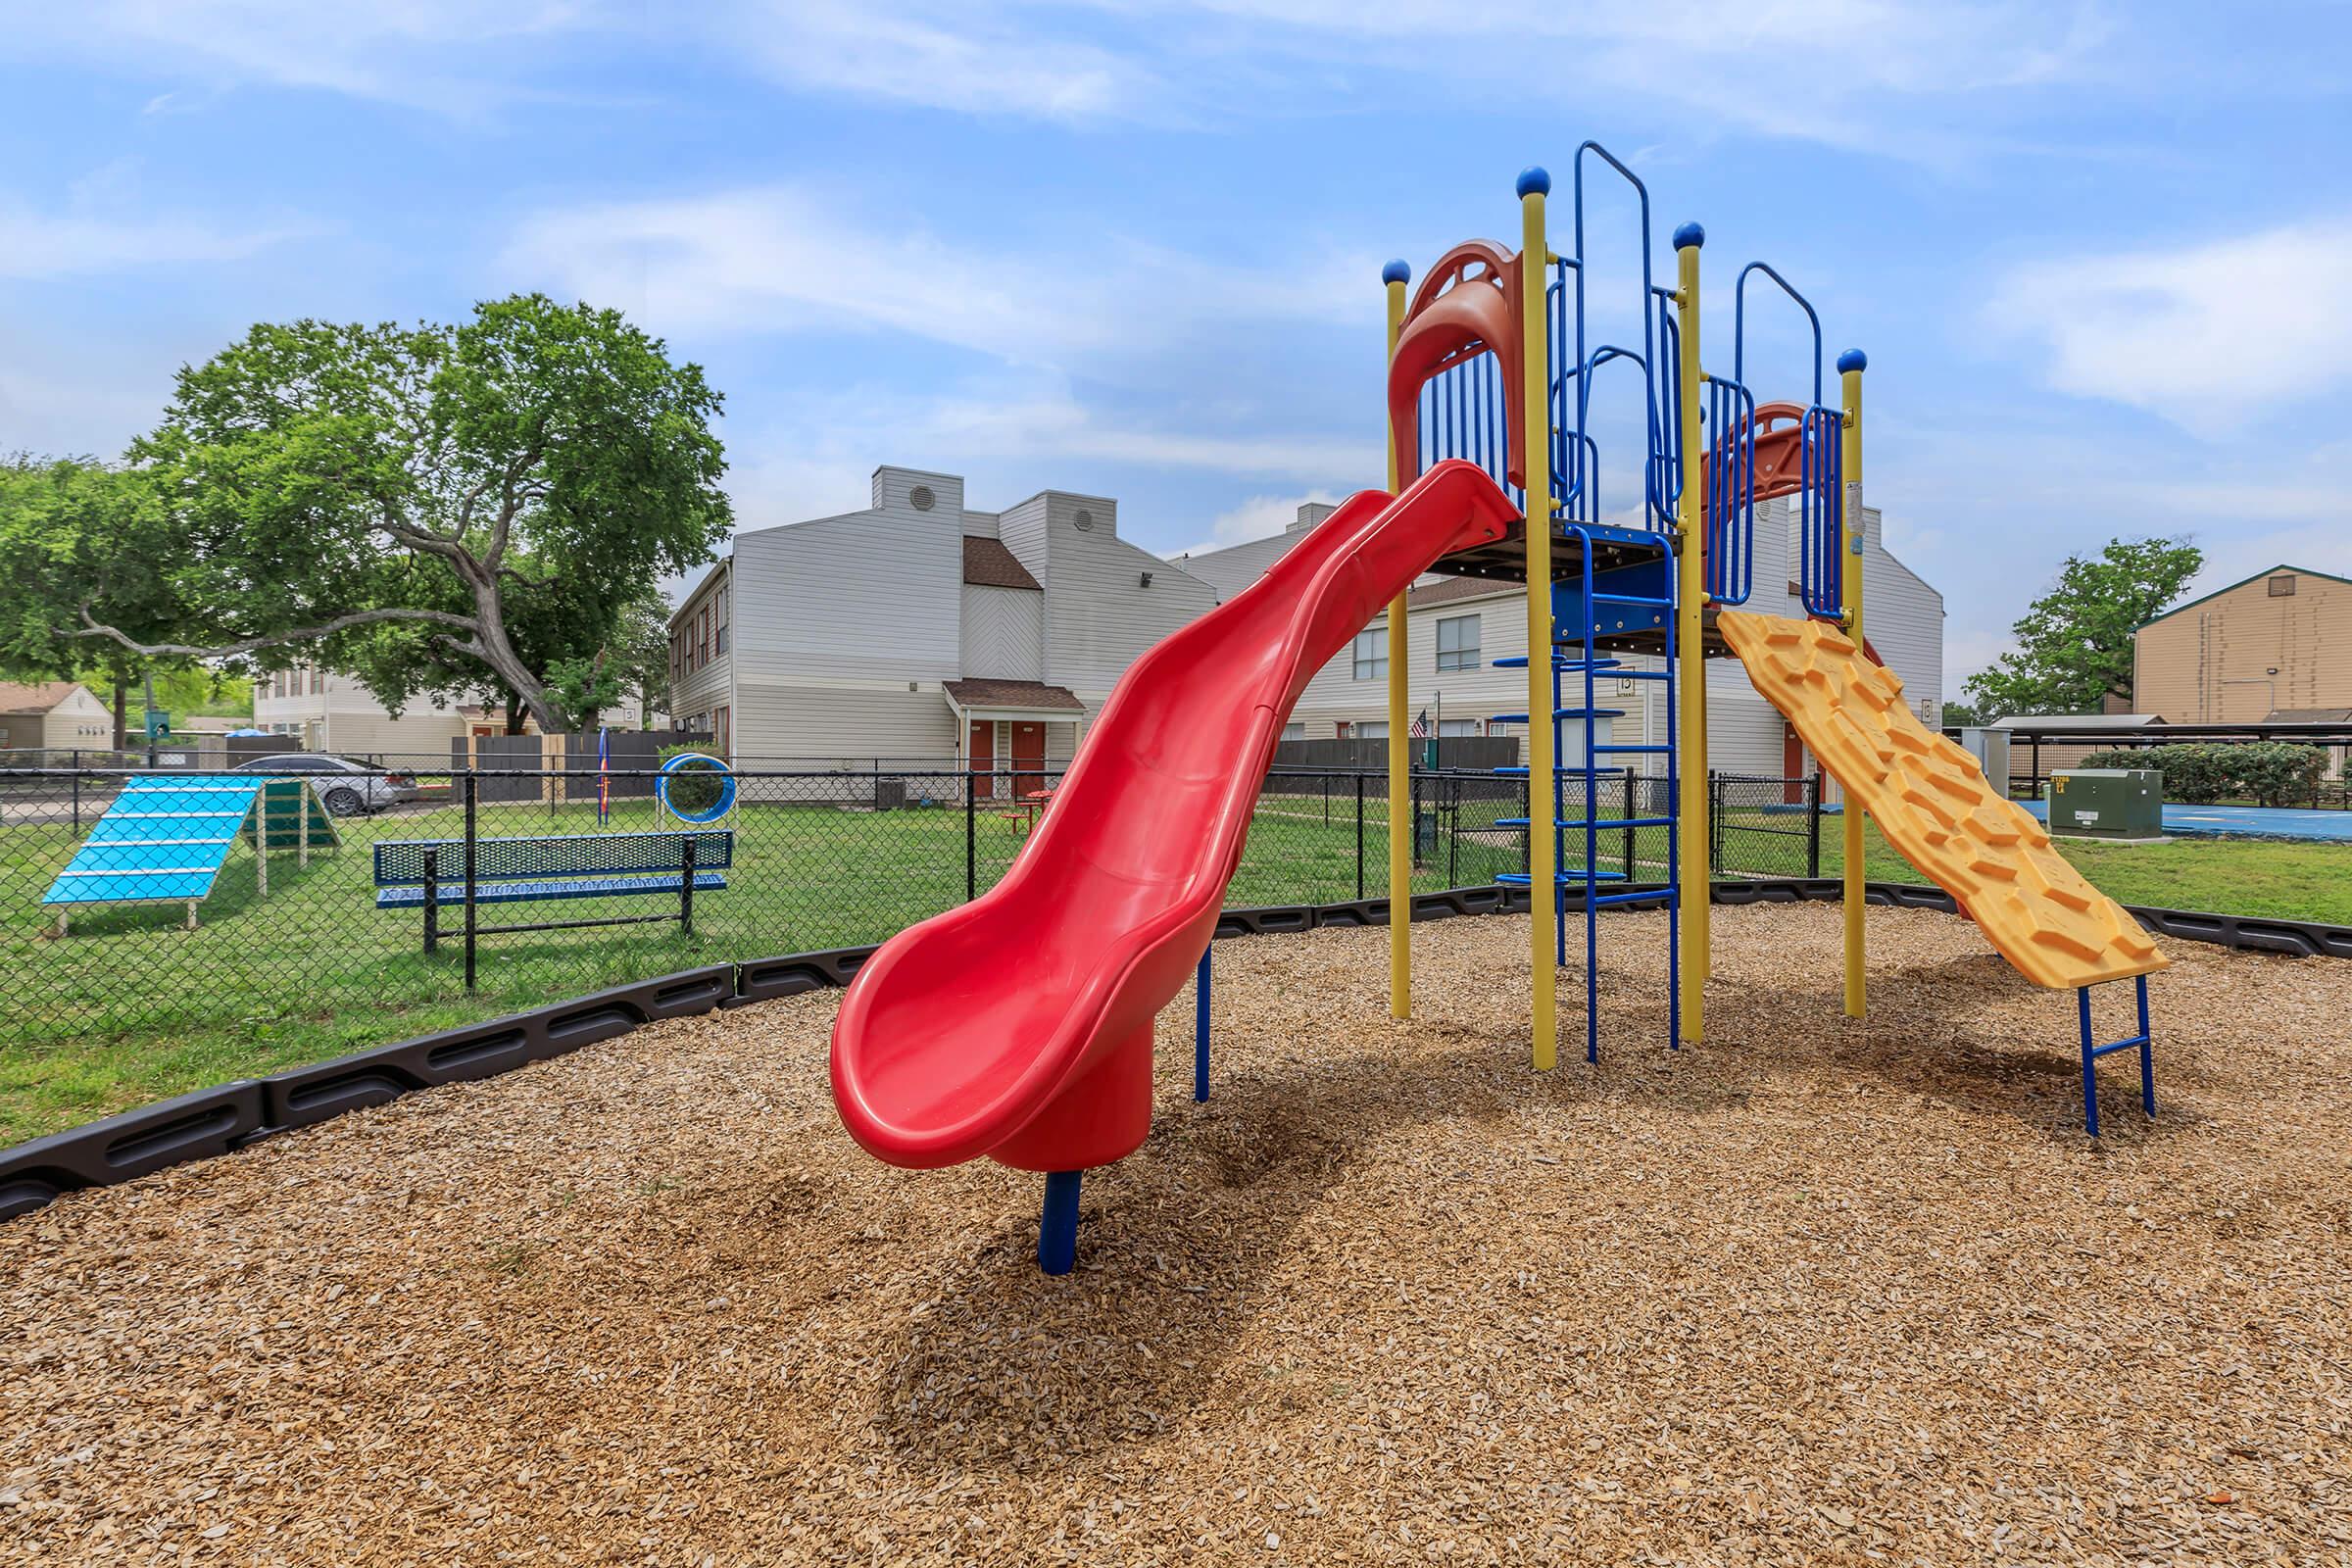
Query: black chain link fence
(214, 910)
(1770, 827)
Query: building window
(317, 681)
(1372, 655)
(1451, 728)
(2282, 587)
(1371, 729)
(1458, 643)
(1295, 730)
(718, 638)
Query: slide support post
(1394, 276)
(1691, 653)
(1535, 431)
(1850, 365)
(1200, 979)
(1057, 1230)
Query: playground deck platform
(1817, 1292)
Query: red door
(984, 757)
(1792, 766)
(1028, 757)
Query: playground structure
(1019, 1025)
(165, 841)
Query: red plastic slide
(1019, 1025)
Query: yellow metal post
(1691, 654)
(1400, 845)
(1534, 427)
(1850, 365)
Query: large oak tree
(435, 507)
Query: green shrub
(2271, 773)
(692, 789)
(2279, 772)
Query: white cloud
(787, 258)
(49, 245)
(1258, 518)
(457, 57)
(972, 58)
(2206, 336)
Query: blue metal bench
(429, 874)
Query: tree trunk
(121, 704)
(490, 644)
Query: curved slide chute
(1018, 1026)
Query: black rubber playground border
(231, 1116)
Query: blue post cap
(1397, 273)
(1689, 237)
(1853, 359)
(1534, 182)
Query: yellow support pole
(1690, 648)
(1535, 427)
(1401, 760)
(1850, 365)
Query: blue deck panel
(164, 839)
(2243, 822)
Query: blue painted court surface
(2243, 822)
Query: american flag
(1420, 729)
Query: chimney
(1310, 513)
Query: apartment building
(321, 709)
(921, 630)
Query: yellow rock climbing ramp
(1931, 801)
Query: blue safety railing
(1821, 528)
(1465, 414)
(1730, 503)
(1821, 497)
(1575, 358)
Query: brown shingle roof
(1452, 588)
(1013, 694)
(987, 564)
(37, 696)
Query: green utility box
(2108, 802)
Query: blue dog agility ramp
(163, 841)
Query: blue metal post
(2090, 1056)
(1201, 1024)
(1057, 1230)
(2147, 1051)
(2143, 1042)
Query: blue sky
(2100, 255)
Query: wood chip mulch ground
(1816, 1292)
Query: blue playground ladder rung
(1650, 600)
(1573, 877)
(1568, 770)
(1559, 712)
(1653, 896)
(1657, 749)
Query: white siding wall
(843, 719)
(1099, 617)
(841, 597)
(1004, 632)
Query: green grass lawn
(131, 1007)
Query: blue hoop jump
(727, 792)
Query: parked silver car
(345, 787)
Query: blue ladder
(1587, 874)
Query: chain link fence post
(472, 799)
(1359, 836)
(1813, 824)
